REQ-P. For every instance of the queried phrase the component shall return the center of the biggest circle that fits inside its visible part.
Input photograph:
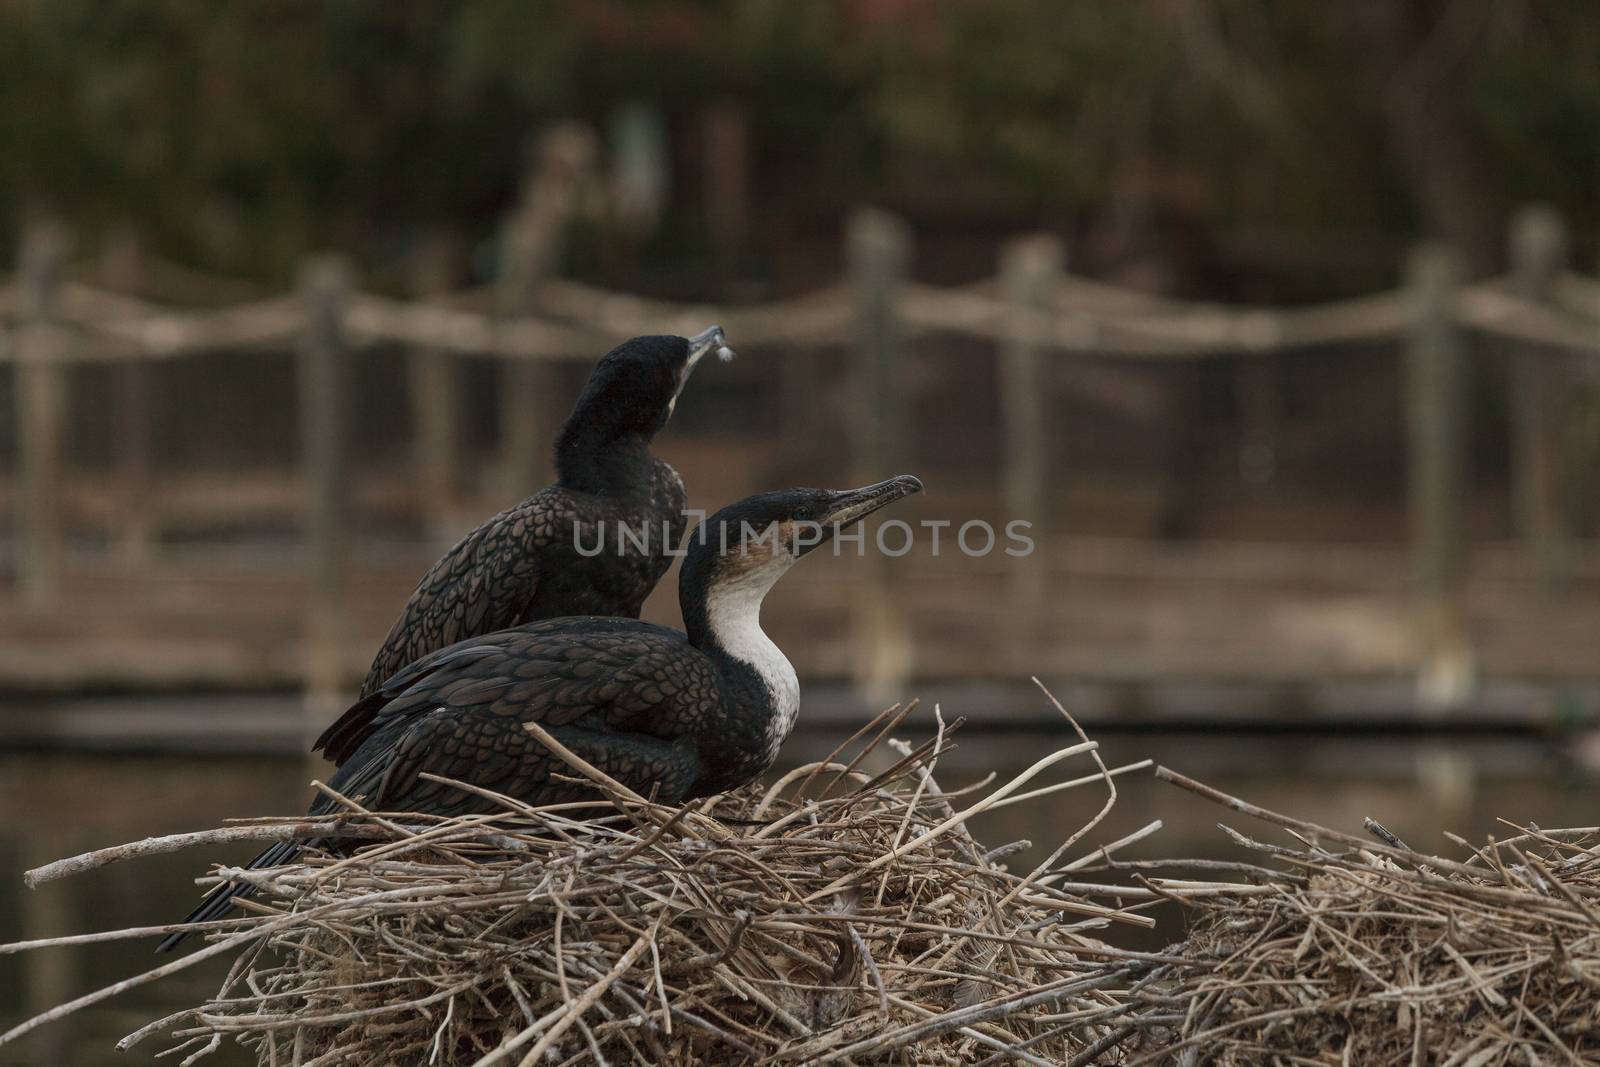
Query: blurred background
(1278, 323)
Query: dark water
(52, 805)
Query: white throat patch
(733, 611)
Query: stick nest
(1352, 952)
(831, 917)
(842, 917)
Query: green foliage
(243, 134)
(237, 136)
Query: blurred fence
(1031, 312)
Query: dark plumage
(677, 714)
(525, 563)
(601, 686)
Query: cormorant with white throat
(674, 714)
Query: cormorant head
(634, 388)
(739, 552)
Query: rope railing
(143, 330)
(822, 316)
(1030, 311)
(577, 318)
(1578, 294)
(432, 325)
(1086, 318)
(1497, 312)
(1172, 332)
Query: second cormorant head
(735, 556)
(768, 531)
(632, 392)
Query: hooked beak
(853, 505)
(710, 339)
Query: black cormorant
(525, 563)
(665, 712)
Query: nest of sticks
(834, 916)
(842, 916)
(1350, 950)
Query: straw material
(832, 917)
(1368, 953)
(842, 916)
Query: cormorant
(524, 564)
(676, 714)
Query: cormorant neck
(591, 461)
(722, 616)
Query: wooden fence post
(879, 249)
(49, 979)
(41, 402)
(1538, 255)
(531, 403)
(725, 130)
(133, 464)
(436, 402)
(1436, 379)
(528, 423)
(1028, 268)
(324, 410)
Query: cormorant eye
(802, 513)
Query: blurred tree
(238, 136)
(1430, 116)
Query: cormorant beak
(853, 505)
(710, 339)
